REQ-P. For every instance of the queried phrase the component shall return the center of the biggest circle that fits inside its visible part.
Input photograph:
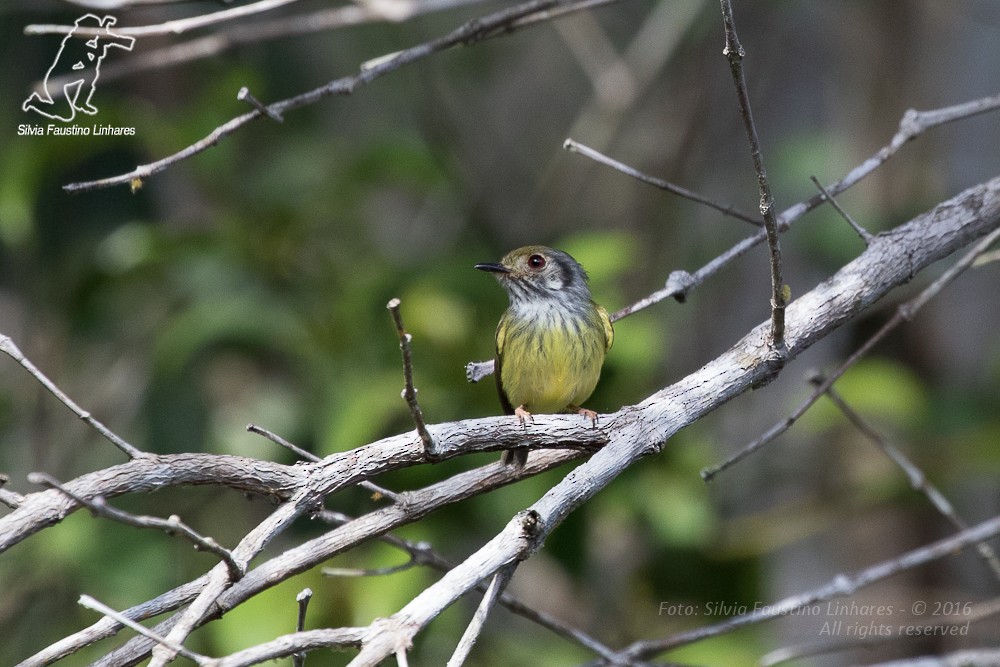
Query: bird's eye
(536, 261)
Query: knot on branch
(679, 283)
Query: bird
(552, 339)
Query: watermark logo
(71, 81)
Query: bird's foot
(589, 414)
(523, 415)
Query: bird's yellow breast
(551, 362)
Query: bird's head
(538, 272)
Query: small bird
(552, 339)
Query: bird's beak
(493, 268)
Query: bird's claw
(523, 416)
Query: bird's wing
(498, 364)
(609, 331)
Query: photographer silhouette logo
(71, 81)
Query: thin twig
(595, 155)
(918, 480)
(174, 27)
(8, 347)
(244, 95)
(861, 231)
(99, 507)
(409, 391)
(369, 572)
(471, 634)
(91, 603)
(278, 440)
(423, 554)
(299, 659)
(779, 291)
(377, 491)
(904, 313)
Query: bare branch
(499, 23)
(377, 491)
(409, 391)
(99, 507)
(918, 480)
(726, 209)
(278, 440)
(91, 603)
(369, 572)
(861, 231)
(175, 27)
(8, 347)
(289, 645)
(911, 125)
(779, 297)
(244, 95)
(493, 593)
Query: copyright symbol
(918, 608)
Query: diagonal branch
(595, 155)
(918, 480)
(499, 23)
(8, 347)
(643, 429)
(904, 313)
